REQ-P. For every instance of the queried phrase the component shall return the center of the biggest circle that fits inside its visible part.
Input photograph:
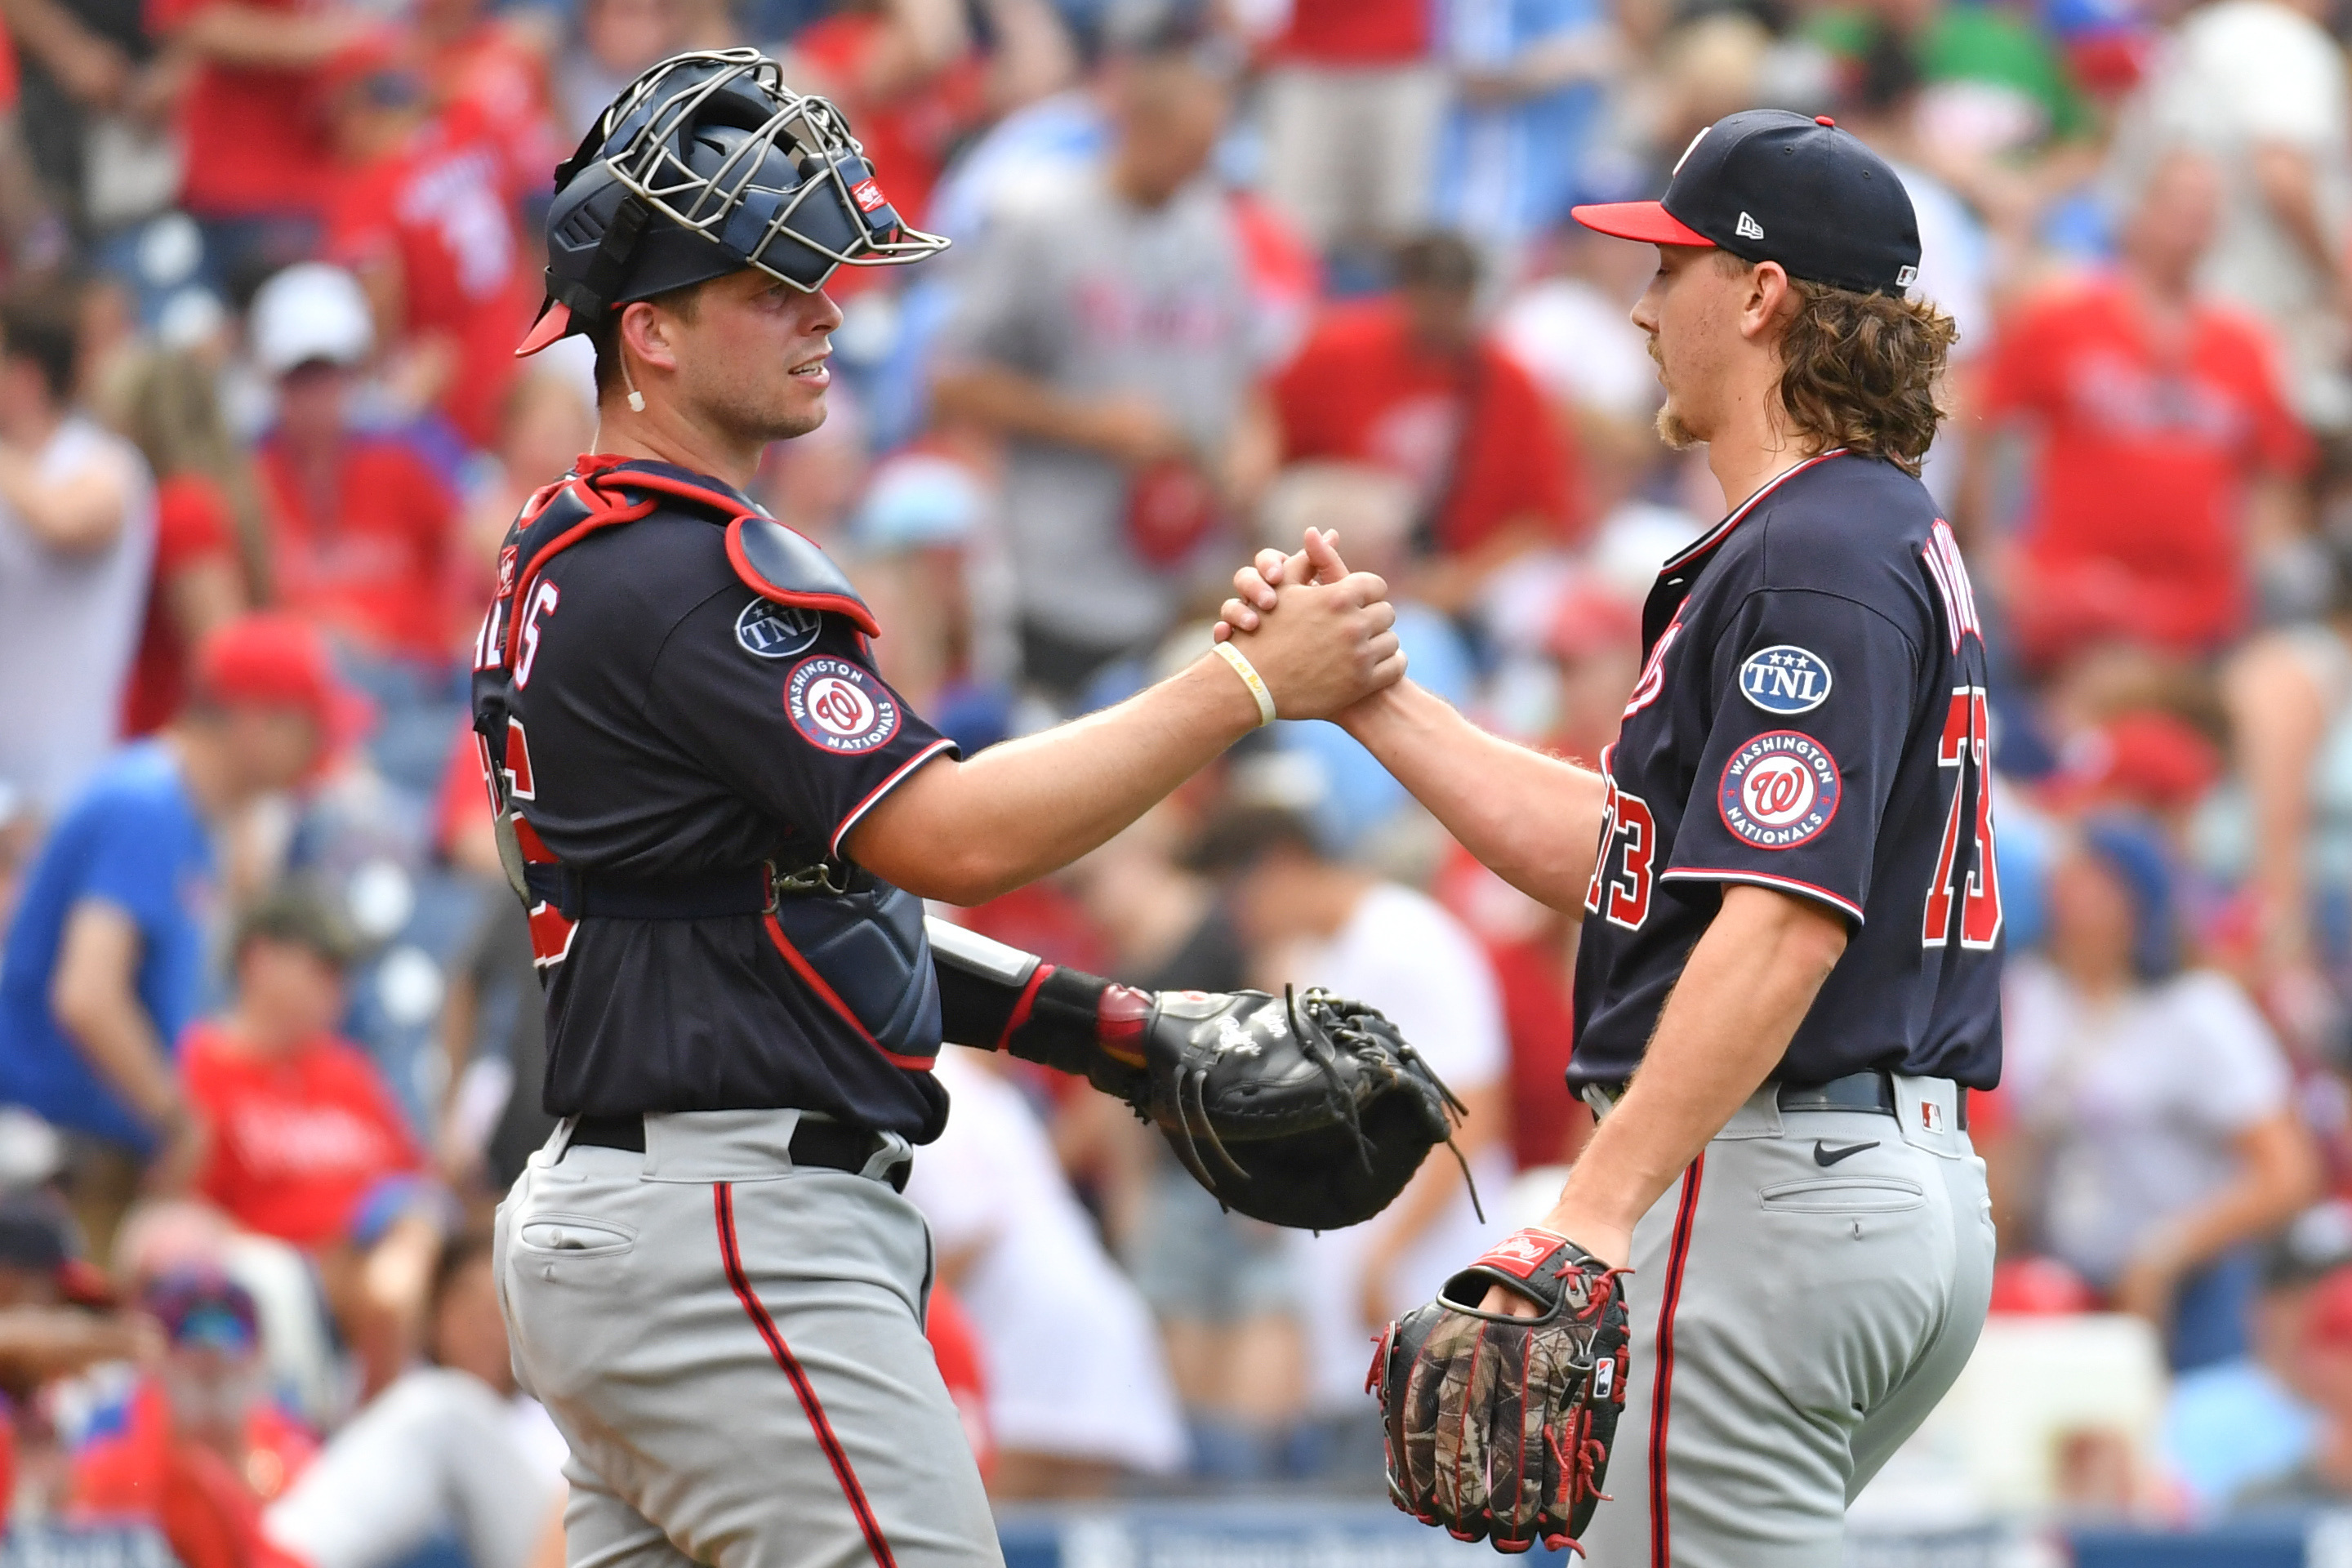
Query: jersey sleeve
(790, 713)
(1813, 697)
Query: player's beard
(1676, 435)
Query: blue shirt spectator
(134, 841)
(1527, 78)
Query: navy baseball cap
(1769, 186)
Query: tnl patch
(1779, 790)
(839, 707)
(772, 630)
(1785, 680)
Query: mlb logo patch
(506, 570)
(1931, 1116)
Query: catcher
(724, 822)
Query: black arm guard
(998, 998)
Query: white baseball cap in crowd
(309, 312)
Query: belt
(710, 895)
(1867, 1091)
(835, 1146)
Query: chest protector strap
(855, 943)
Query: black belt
(835, 1146)
(1867, 1091)
(710, 895)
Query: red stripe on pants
(731, 1257)
(1677, 1255)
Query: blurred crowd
(270, 1039)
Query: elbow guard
(998, 998)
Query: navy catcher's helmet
(706, 165)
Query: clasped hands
(1333, 643)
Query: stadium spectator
(906, 73)
(197, 1447)
(494, 1039)
(1352, 105)
(1315, 920)
(303, 1126)
(2238, 1424)
(614, 40)
(2323, 1363)
(2153, 1141)
(449, 1448)
(363, 529)
(1529, 93)
(490, 67)
(914, 534)
(2289, 696)
(548, 419)
(1219, 1284)
(92, 84)
(1077, 1392)
(1409, 383)
(424, 216)
(104, 963)
(1994, 86)
(257, 165)
(1103, 334)
(54, 1316)
(2168, 453)
(77, 533)
(208, 565)
(2258, 86)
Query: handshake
(1313, 639)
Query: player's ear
(646, 333)
(1768, 296)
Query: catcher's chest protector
(855, 942)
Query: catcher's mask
(706, 165)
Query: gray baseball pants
(1801, 1300)
(733, 1347)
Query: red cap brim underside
(553, 323)
(1649, 222)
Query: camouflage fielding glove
(1499, 1428)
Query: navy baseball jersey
(665, 722)
(1810, 717)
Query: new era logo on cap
(1769, 186)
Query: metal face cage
(791, 146)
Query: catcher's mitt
(1498, 1428)
(1310, 1111)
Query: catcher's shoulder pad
(771, 560)
(777, 564)
(1549, 1270)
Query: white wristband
(1250, 678)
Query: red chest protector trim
(605, 491)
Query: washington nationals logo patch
(1779, 790)
(770, 630)
(839, 707)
